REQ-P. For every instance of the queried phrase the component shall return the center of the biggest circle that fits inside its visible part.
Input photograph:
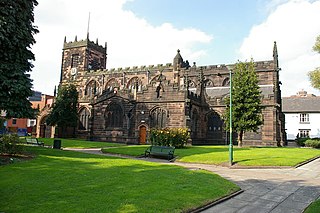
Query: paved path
(287, 190)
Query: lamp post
(230, 119)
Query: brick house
(122, 104)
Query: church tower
(80, 56)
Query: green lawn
(275, 156)
(76, 143)
(66, 181)
(314, 207)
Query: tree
(316, 46)
(16, 37)
(64, 112)
(314, 75)
(246, 100)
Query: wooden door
(142, 134)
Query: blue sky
(208, 32)
(228, 22)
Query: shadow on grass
(66, 181)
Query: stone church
(122, 104)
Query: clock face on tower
(73, 71)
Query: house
(23, 126)
(302, 115)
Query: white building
(302, 115)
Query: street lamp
(229, 67)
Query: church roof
(266, 90)
(301, 104)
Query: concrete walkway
(286, 190)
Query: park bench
(166, 151)
(34, 141)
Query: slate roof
(301, 104)
(266, 90)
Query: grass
(314, 207)
(76, 143)
(267, 156)
(66, 181)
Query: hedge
(314, 143)
(176, 137)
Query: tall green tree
(314, 75)
(64, 112)
(246, 100)
(16, 37)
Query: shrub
(314, 143)
(301, 141)
(9, 144)
(177, 137)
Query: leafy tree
(246, 100)
(314, 75)
(316, 46)
(64, 112)
(16, 37)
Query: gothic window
(192, 84)
(111, 84)
(226, 82)
(214, 122)
(209, 83)
(194, 123)
(158, 118)
(91, 89)
(133, 83)
(84, 116)
(75, 60)
(114, 116)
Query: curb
(208, 205)
(305, 162)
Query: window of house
(304, 118)
(75, 60)
(304, 133)
(32, 123)
(14, 121)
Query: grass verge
(313, 208)
(66, 181)
(266, 156)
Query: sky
(208, 32)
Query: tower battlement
(84, 43)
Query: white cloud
(132, 41)
(295, 26)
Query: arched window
(91, 89)
(226, 82)
(214, 122)
(194, 122)
(133, 83)
(114, 116)
(84, 116)
(111, 84)
(209, 83)
(158, 117)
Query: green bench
(165, 151)
(34, 141)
